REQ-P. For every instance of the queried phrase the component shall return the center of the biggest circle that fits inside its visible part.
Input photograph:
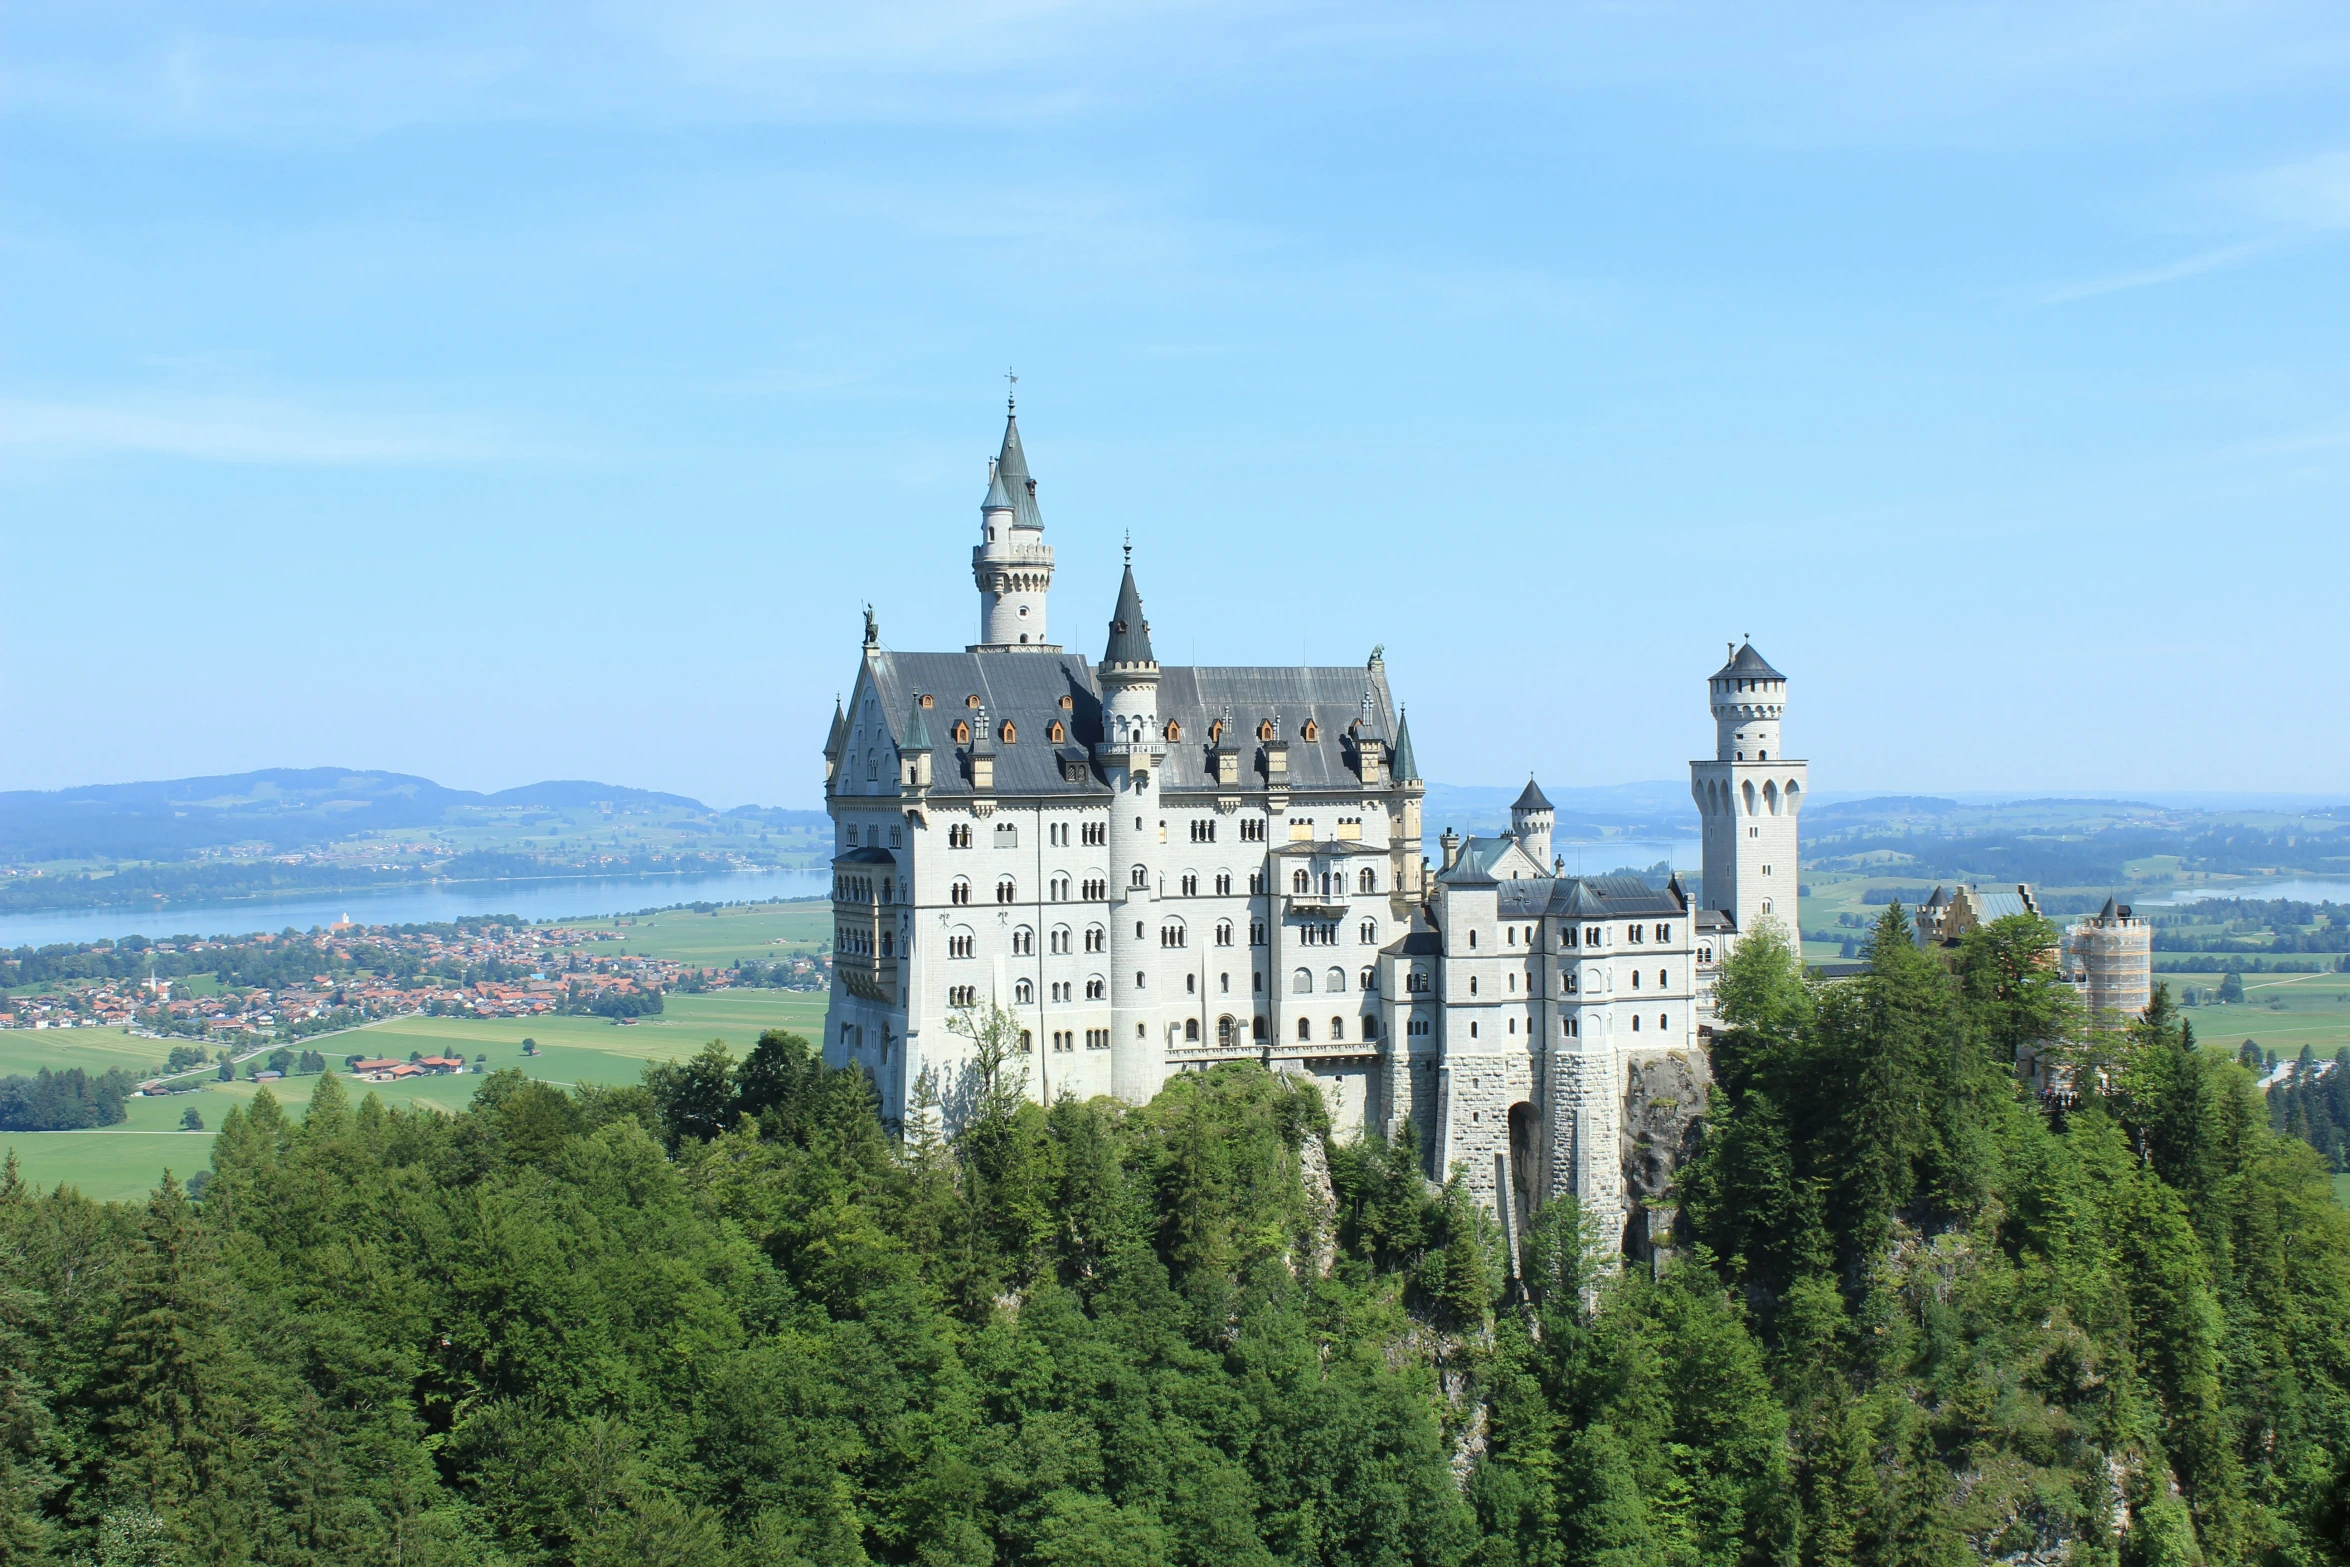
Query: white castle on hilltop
(1154, 868)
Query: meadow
(125, 1161)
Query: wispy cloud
(232, 432)
(2214, 260)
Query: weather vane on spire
(1129, 546)
(1010, 381)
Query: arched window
(1139, 876)
(1368, 881)
(1097, 988)
(1227, 1031)
(1191, 1030)
(1368, 978)
(1027, 1042)
(1771, 797)
(872, 768)
(1301, 983)
(1023, 992)
(1024, 942)
(1300, 883)
(1338, 1028)
(1004, 890)
(1748, 789)
(1335, 980)
(1305, 1030)
(1368, 931)
(960, 892)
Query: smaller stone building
(2109, 957)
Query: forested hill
(720, 1318)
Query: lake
(2299, 891)
(563, 897)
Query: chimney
(1450, 842)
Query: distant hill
(285, 808)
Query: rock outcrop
(1664, 1100)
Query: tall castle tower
(1011, 563)
(1131, 748)
(1748, 795)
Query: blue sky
(500, 393)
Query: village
(300, 985)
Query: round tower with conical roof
(1130, 752)
(1012, 564)
(1531, 820)
(1747, 795)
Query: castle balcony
(1319, 905)
(873, 979)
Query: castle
(1152, 868)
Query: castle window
(1024, 993)
(1472, 984)
(1174, 730)
(1660, 1020)
(1305, 1030)
(1056, 732)
(1664, 933)
(1004, 891)
(971, 701)
(1191, 1030)
(1216, 732)
(1024, 943)
(1368, 979)
(1008, 733)
(1312, 731)
(1223, 933)
(960, 892)
(1190, 885)
(1097, 989)
(1265, 730)
(961, 732)
(1368, 881)
(1257, 1028)
(1661, 980)
(1301, 982)
(1335, 981)
(1096, 939)
(1300, 883)
(1067, 703)
(1060, 941)
(1223, 884)
(962, 945)
(1338, 1028)
(1636, 1018)
(925, 700)
(1368, 933)
(1007, 835)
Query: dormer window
(971, 701)
(1312, 731)
(1055, 732)
(962, 732)
(1216, 732)
(1265, 730)
(1068, 704)
(1174, 730)
(1008, 733)
(926, 701)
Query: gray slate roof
(1531, 799)
(1406, 765)
(1586, 897)
(1010, 484)
(1747, 664)
(1027, 688)
(1130, 633)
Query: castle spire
(1130, 634)
(1011, 565)
(1407, 766)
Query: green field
(766, 931)
(125, 1161)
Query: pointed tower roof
(1747, 664)
(1010, 486)
(1530, 799)
(1130, 634)
(1407, 766)
(917, 731)
(840, 730)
